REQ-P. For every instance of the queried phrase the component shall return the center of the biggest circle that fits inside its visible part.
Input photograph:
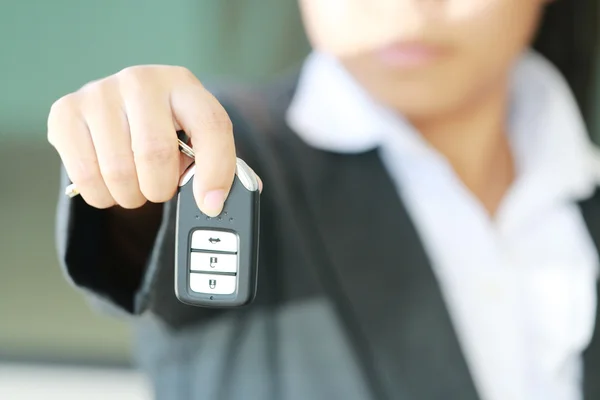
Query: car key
(216, 261)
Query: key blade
(71, 190)
(185, 149)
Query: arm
(106, 252)
(123, 259)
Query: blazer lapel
(384, 278)
(590, 209)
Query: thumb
(207, 123)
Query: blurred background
(48, 49)
(49, 338)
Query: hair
(568, 37)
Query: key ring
(71, 190)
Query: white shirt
(521, 288)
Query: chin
(419, 93)
(416, 102)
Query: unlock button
(212, 284)
(213, 262)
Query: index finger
(205, 120)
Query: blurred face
(424, 57)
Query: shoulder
(257, 113)
(252, 104)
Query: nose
(406, 17)
(393, 6)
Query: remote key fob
(216, 261)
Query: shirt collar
(332, 112)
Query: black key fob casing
(216, 261)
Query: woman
(427, 215)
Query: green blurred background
(50, 48)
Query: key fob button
(213, 262)
(212, 283)
(204, 239)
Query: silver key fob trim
(242, 170)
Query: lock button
(212, 283)
(213, 262)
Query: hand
(117, 138)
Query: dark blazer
(347, 308)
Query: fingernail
(213, 202)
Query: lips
(410, 54)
